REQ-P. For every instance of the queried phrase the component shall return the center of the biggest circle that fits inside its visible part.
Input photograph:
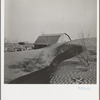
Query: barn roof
(47, 39)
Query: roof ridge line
(52, 34)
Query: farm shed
(50, 39)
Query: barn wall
(38, 46)
(63, 38)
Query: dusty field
(14, 60)
(72, 71)
(68, 72)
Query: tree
(84, 57)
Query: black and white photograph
(50, 42)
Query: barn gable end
(63, 38)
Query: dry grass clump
(30, 65)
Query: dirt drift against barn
(57, 64)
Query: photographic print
(50, 42)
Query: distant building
(50, 39)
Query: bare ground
(68, 72)
(13, 61)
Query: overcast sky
(25, 20)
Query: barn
(49, 39)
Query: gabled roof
(48, 39)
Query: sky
(25, 20)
